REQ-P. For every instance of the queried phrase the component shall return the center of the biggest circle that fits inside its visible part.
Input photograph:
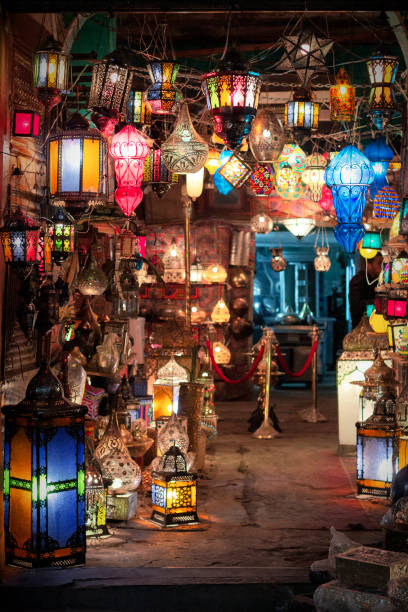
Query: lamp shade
(195, 183)
(372, 240)
(138, 109)
(111, 83)
(382, 70)
(128, 199)
(19, 238)
(299, 227)
(129, 150)
(163, 96)
(386, 203)
(184, 151)
(342, 98)
(313, 176)
(26, 123)
(50, 73)
(267, 137)
(380, 154)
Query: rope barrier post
(313, 415)
(266, 431)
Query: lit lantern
(299, 227)
(213, 161)
(382, 70)
(50, 75)
(235, 171)
(222, 354)
(138, 109)
(289, 183)
(267, 137)
(370, 244)
(173, 260)
(129, 150)
(166, 389)
(95, 493)
(293, 155)
(128, 199)
(380, 154)
(396, 304)
(184, 150)
(162, 95)
(301, 113)
(394, 330)
(61, 230)
(342, 98)
(223, 186)
(220, 312)
(77, 164)
(261, 224)
(326, 201)
(92, 280)
(349, 175)
(232, 94)
(195, 184)
(278, 262)
(215, 273)
(19, 238)
(322, 261)
(262, 180)
(44, 478)
(196, 271)
(198, 315)
(313, 176)
(26, 123)
(156, 174)
(174, 491)
(386, 203)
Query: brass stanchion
(266, 431)
(187, 217)
(313, 415)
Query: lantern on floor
(220, 312)
(289, 184)
(223, 186)
(213, 161)
(222, 354)
(370, 245)
(299, 227)
(301, 113)
(92, 280)
(232, 94)
(313, 176)
(278, 262)
(267, 138)
(322, 261)
(19, 237)
(342, 98)
(77, 163)
(173, 260)
(138, 109)
(235, 171)
(386, 203)
(380, 154)
(195, 184)
(95, 493)
(174, 491)
(50, 74)
(261, 224)
(61, 230)
(349, 175)
(163, 96)
(26, 123)
(215, 273)
(184, 151)
(262, 180)
(166, 388)
(44, 479)
(382, 70)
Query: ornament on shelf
(262, 180)
(267, 137)
(174, 432)
(220, 312)
(198, 315)
(313, 176)
(184, 151)
(261, 224)
(278, 262)
(382, 70)
(173, 260)
(50, 74)
(196, 271)
(386, 203)
(163, 96)
(380, 154)
(342, 98)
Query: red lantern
(128, 198)
(26, 123)
(129, 149)
(326, 201)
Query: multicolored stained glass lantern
(163, 96)
(380, 154)
(349, 175)
(301, 113)
(342, 98)
(267, 137)
(174, 491)
(299, 227)
(213, 161)
(61, 231)
(289, 183)
(26, 123)
(155, 171)
(50, 74)
(166, 388)
(382, 70)
(220, 313)
(223, 186)
(262, 180)
(294, 156)
(261, 224)
(232, 94)
(44, 477)
(386, 203)
(313, 176)
(184, 150)
(235, 171)
(138, 109)
(394, 329)
(278, 262)
(110, 87)
(129, 150)
(215, 273)
(19, 238)
(77, 162)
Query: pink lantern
(128, 198)
(326, 201)
(129, 149)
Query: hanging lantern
(220, 312)
(289, 184)
(382, 70)
(173, 260)
(155, 171)
(26, 123)
(126, 293)
(232, 94)
(235, 171)
(322, 261)
(301, 114)
(44, 480)
(267, 138)
(299, 227)
(380, 154)
(294, 156)
(342, 98)
(262, 180)
(261, 224)
(326, 201)
(195, 184)
(19, 238)
(386, 203)
(223, 186)
(162, 95)
(213, 161)
(166, 389)
(77, 164)
(278, 262)
(370, 245)
(130, 244)
(50, 75)
(92, 280)
(349, 174)
(138, 109)
(215, 273)
(61, 230)
(222, 355)
(129, 150)
(184, 150)
(128, 199)
(313, 176)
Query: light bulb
(114, 77)
(173, 253)
(117, 483)
(194, 309)
(304, 49)
(217, 349)
(266, 133)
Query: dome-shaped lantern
(162, 95)
(184, 151)
(313, 176)
(380, 154)
(267, 137)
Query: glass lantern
(138, 109)
(223, 186)
(95, 493)
(196, 271)
(213, 161)
(92, 280)
(222, 354)
(395, 328)
(173, 260)
(380, 154)
(129, 150)
(288, 183)
(262, 180)
(128, 199)
(26, 123)
(50, 73)
(61, 231)
(195, 184)
(313, 176)
(19, 237)
(299, 227)
(163, 96)
(293, 155)
(278, 262)
(174, 432)
(220, 312)
(322, 261)
(111, 83)
(166, 388)
(267, 137)
(261, 224)
(342, 98)
(235, 171)
(301, 114)
(215, 273)
(184, 151)
(155, 171)
(382, 70)
(386, 203)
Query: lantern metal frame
(382, 70)
(301, 113)
(61, 233)
(50, 72)
(235, 171)
(111, 84)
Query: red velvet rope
(237, 380)
(305, 367)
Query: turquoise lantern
(349, 174)
(380, 154)
(223, 186)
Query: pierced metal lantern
(342, 98)
(44, 479)
(26, 123)
(184, 151)
(313, 176)
(267, 137)
(61, 232)
(111, 83)
(166, 388)
(380, 154)
(138, 109)
(278, 262)
(382, 70)
(95, 493)
(77, 162)
(220, 313)
(322, 261)
(261, 224)
(386, 203)
(235, 171)
(19, 238)
(174, 491)
(50, 73)
(92, 280)
(301, 113)
(163, 96)
(232, 94)
(173, 260)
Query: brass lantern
(382, 70)
(50, 75)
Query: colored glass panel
(61, 451)
(20, 455)
(52, 69)
(36, 124)
(62, 64)
(42, 73)
(20, 516)
(90, 165)
(53, 166)
(62, 520)
(71, 164)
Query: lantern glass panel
(235, 171)
(396, 308)
(374, 459)
(26, 123)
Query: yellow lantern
(222, 355)
(378, 323)
(173, 260)
(220, 313)
(213, 160)
(215, 273)
(166, 389)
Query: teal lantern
(372, 240)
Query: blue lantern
(380, 154)
(223, 186)
(348, 175)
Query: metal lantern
(380, 154)
(26, 123)
(261, 224)
(222, 355)
(174, 491)
(313, 176)
(220, 312)
(386, 203)
(232, 94)
(302, 114)
(235, 171)
(382, 70)
(19, 238)
(77, 164)
(196, 271)
(44, 479)
(166, 388)
(61, 231)
(95, 493)
(262, 180)
(322, 261)
(349, 175)
(184, 151)
(299, 227)
(162, 95)
(92, 280)
(342, 98)
(215, 273)
(50, 73)
(278, 262)
(110, 87)
(267, 137)
(138, 109)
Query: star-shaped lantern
(305, 52)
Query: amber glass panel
(20, 456)
(52, 70)
(53, 166)
(162, 400)
(20, 515)
(90, 166)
